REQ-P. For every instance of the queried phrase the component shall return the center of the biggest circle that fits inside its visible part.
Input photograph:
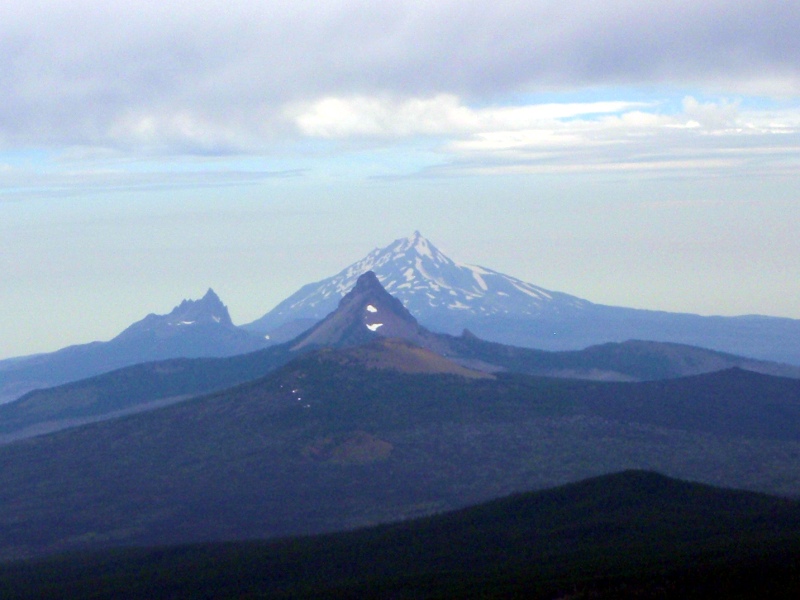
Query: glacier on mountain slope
(427, 282)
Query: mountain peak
(211, 296)
(443, 294)
(367, 311)
(418, 246)
(415, 240)
(209, 309)
(367, 282)
(368, 294)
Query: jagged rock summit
(209, 311)
(430, 285)
(194, 328)
(366, 312)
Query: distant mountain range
(366, 315)
(441, 294)
(449, 297)
(194, 328)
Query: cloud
(221, 77)
(443, 114)
(713, 137)
(712, 141)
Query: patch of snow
(186, 323)
(532, 293)
(433, 282)
(457, 304)
(216, 319)
(371, 308)
(477, 269)
(418, 264)
(422, 248)
(480, 280)
(374, 326)
(266, 337)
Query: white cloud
(378, 117)
(568, 137)
(441, 115)
(711, 115)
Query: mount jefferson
(447, 296)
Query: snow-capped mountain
(447, 296)
(430, 285)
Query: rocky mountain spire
(366, 312)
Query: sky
(642, 154)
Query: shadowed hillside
(330, 442)
(628, 535)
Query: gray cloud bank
(227, 77)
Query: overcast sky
(642, 154)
